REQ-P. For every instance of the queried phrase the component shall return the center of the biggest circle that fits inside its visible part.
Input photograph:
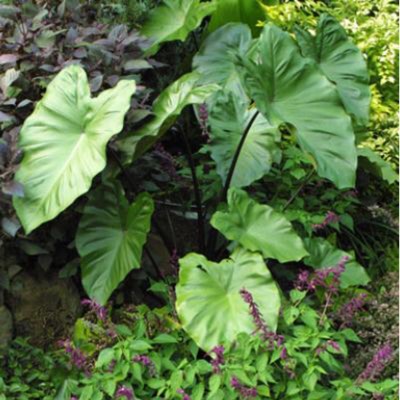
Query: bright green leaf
(258, 227)
(342, 62)
(288, 89)
(209, 304)
(324, 255)
(174, 20)
(64, 143)
(166, 109)
(110, 238)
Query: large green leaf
(215, 60)
(228, 120)
(166, 109)
(249, 12)
(258, 228)
(64, 143)
(342, 62)
(287, 88)
(325, 255)
(110, 238)
(208, 301)
(174, 20)
(377, 165)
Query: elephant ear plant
(261, 94)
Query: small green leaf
(174, 20)
(258, 228)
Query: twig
(299, 189)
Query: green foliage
(229, 118)
(249, 12)
(166, 109)
(288, 89)
(323, 254)
(342, 62)
(64, 143)
(258, 228)
(110, 238)
(208, 299)
(174, 20)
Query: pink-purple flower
(185, 396)
(146, 362)
(378, 363)
(100, 311)
(218, 360)
(330, 218)
(350, 309)
(124, 391)
(203, 119)
(245, 391)
(259, 322)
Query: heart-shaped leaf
(174, 20)
(208, 299)
(166, 109)
(258, 227)
(342, 62)
(228, 120)
(324, 255)
(64, 143)
(110, 238)
(288, 89)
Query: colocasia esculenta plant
(256, 93)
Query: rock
(44, 307)
(6, 327)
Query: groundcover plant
(211, 216)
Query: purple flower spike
(245, 391)
(330, 218)
(219, 358)
(259, 322)
(124, 391)
(378, 363)
(146, 362)
(203, 119)
(100, 311)
(350, 309)
(184, 394)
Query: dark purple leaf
(10, 226)
(13, 189)
(24, 103)
(71, 35)
(95, 83)
(136, 65)
(112, 80)
(5, 117)
(118, 33)
(81, 52)
(8, 59)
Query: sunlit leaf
(64, 143)
(290, 90)
(209, 304)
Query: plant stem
(299, 189)
(197, 192)
(236, 156)
(212, 239)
